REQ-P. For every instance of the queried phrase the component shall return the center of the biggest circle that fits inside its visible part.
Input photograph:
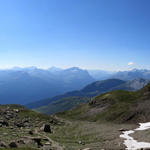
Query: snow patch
(129, 141)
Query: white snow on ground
(129, 141)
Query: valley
(74, 75)
(94, 125)
(92, 118)
(71, 99)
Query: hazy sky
(94, 34)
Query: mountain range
(122, 75)
(71, 99)
(24, 85)
(132, 74)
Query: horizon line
(64, 68)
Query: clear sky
(92, 34)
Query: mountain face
(115, 106)
(102, 86)
(133, 74)
(24, 85)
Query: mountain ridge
(29, 84)
(116, 106)
(69, 100)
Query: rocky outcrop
(47, 128)
(3, 144)
(13, 145)
(22, 127)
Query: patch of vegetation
(76, 135)
(63, 104)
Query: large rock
(13, 145)
(38, 141)
(19, 124)
(21, 141)
(2, 145)
(47, 128)
(4, 123)
(31, 132)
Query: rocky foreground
(21, 128)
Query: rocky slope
(24, 129)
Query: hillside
(90, 126)
(24, 129)
(115, 106)
(89, 91)
(63, 104)
(71, 99)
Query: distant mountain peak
(74, 69)
(53, 68)
(24, 68)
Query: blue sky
(91, 34)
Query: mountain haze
(24, 85)
(90, 90)
(71, 99)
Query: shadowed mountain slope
(89, 91)
(72, 99)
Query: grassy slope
(93, 135)
(62, 104)
(71, 99)
(107, 107)
(115, 106)
(96, 124)
(26, 113)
